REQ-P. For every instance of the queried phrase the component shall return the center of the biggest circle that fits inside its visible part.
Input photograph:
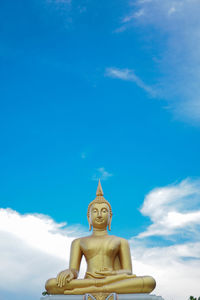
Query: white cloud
(176, 268)
(173, 208)
(175, 214)
(175, 30)
(129, 75)
(34, 247)
(101, 174)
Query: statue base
(103, 296)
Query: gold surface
(108, 258)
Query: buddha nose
(99, 215)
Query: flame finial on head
(99, 191)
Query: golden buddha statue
(108, 258)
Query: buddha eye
(94, 210)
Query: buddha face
(99, 215)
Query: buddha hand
(65, 276)
(106, 272)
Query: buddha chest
(103, 246)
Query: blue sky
(105, 90)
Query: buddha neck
(99, 232)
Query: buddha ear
(90, 225)
(109, 224)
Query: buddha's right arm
(74, 265)
(75, 257)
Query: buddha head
(99, 212)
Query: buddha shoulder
(119, 239)
(87, 239)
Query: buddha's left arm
(125, 258)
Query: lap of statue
(121, 284)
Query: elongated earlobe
(109, 224)
(90, 225)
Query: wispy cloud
(67, 11)
(61, 2)
(129, 75)
(83, 155)
(102, 174)
(177, 24)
